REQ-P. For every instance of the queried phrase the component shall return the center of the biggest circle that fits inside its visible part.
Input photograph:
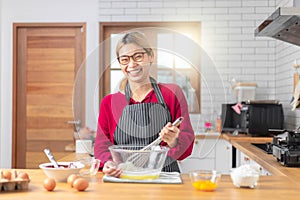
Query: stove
(266, 147)
(286, 148)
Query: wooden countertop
(283, 184)
(246, 138)
(269, 187)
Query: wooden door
(47, 58)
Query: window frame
(108, 28)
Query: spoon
(51, 158)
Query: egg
(80, 184)
(7, 175)
(49, 184)
(71, 179)
(23, 175)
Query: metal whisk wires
(140, 159)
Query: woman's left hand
(169, 134)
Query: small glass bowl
(205, 180)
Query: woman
(142, 110)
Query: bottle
(219, 124)
(207, 125)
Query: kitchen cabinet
(223, 156)
(209, 154)
(242, 159)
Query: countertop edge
(267, 161)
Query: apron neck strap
(156, 90)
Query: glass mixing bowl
(139, 164)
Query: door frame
(19, 141)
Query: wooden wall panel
(50, 65)
(51, 42)
(50, 54)
(49, 111)
(50, 88)
(53, 99)
(48, 134)
(50, 77)
(55, 145)
(51, 122)
(50, 31)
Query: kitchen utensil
(151, 167)
(176, 123)
(139, 160)
(51, 157)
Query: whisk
(138, 158)
(158, 140)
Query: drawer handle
(246, 159)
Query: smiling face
(139, 62)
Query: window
(172, 66)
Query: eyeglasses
(137, 57)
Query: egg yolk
(204, 185)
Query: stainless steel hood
(283, 24)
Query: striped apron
(140, 124)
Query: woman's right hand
(110, 169)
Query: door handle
(76, 122)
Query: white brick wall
(228, 39)
(285, 54)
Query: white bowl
(63, 172)
(245, 176)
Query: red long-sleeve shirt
(112, 107)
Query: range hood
(283, 24)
